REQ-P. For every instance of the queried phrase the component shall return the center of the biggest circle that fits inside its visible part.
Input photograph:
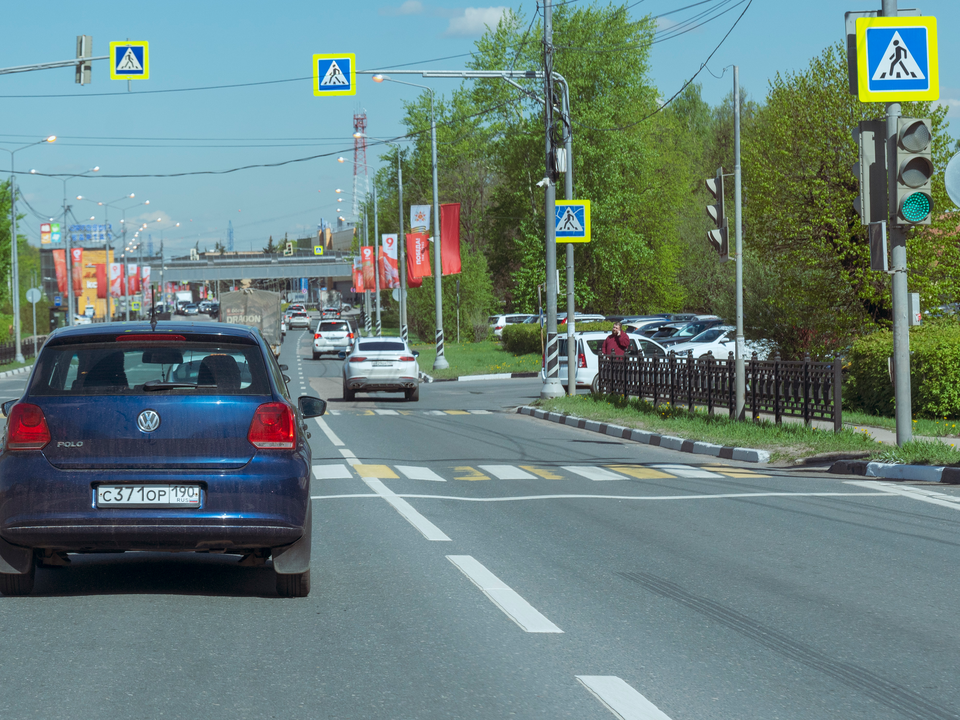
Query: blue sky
(199, 44)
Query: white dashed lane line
(621, 699)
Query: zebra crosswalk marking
(380, 472)
(419, 473)
(507, 472)
(479, 412)
(331, 472)
(688, 471)
(542, 472)
(641, 473)
(469, 473)
(591, 472)
(386, 412)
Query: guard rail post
(837, 398)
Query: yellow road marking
(456, 412)
(367, 412)
(472, 474)
(542, 472)
(641, 473)
(381, 472)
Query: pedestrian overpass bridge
(258, 266)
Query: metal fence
(8, 351)
(806, 389)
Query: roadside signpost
(130, 60)
(572, 219)
(334, 74)
(33, 297)
(897, 59)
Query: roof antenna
(153, 310)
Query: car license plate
(148, 495)
(382, 363)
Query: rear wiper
(164, 385)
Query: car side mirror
(286, 379)
(342, 355)
(416, 353)
(311, 406)
(284, 367)
(7, 407)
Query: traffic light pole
(741, 383)
(898, 242)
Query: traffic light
(914, 171)
(288, 250)
(84, 50)
(718, 237)
(872, 202)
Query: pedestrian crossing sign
(897, 59)
(130, 60)
(335, 74)
(572, 221)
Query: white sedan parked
(381, 365)
(721, 341)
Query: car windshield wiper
(164, 385)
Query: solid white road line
(593, 473)
(621, 699)
(507, 472)
(419, 473)
(927, 496)
(479, 412)
(386, 412)
(434, 412)
(350, 457)
(618, 498)
(687, 471)
(505, 598)
(427, 528)
(331, 472)
(331, 436)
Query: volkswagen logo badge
(148, 421)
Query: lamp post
(14, 263)
(68, 254)
(441, 362)
(109, 237)
(401, 245)
(163, 294)
(376, 247)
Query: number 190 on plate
(148, 496)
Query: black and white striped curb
(489, 376)
(649, 438)
(890, 471)
(18, 371)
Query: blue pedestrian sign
(897, 59)
(130, 60)
(335, 74)
(57, 301)
(572, 219)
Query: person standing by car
(617, 342)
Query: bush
(522, 339)
(934, 371)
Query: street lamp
(376, 248)
(14, 263)
(123, 231)
(401, 254)
(441, 362)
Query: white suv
(499, 322)
(332, 336)
(588, 363)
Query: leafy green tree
(271, 246)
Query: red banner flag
(389, 267)
(357, 276)
(76, 258)
(101, 280)
(418, 257)
(450, 238)
(116, 279)
(60, 266)
(133, 279)
(367, 265)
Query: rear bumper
(372, 385)
(261, 505)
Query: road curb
(648, 438)
(891, 471)
(18, 371)
(466, 378)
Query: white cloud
(664, 24)
(475, 21)
(952, 105)
(410, 7)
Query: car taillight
(358, 359)
(407, 358)
(27, 428)
(499, 327)
(581, 360)
(350, 335)
(316, 336)
(272, 427)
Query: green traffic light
(916, 207)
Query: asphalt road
(473, 563)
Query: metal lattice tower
(230, 235)
(359, 158)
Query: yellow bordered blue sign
(130, 60)
(335, 74)
(897, 59)
(572, 221)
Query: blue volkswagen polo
(171, 437)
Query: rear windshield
(131, 368)
(375, 346)
(333, 327)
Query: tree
(271, 247)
